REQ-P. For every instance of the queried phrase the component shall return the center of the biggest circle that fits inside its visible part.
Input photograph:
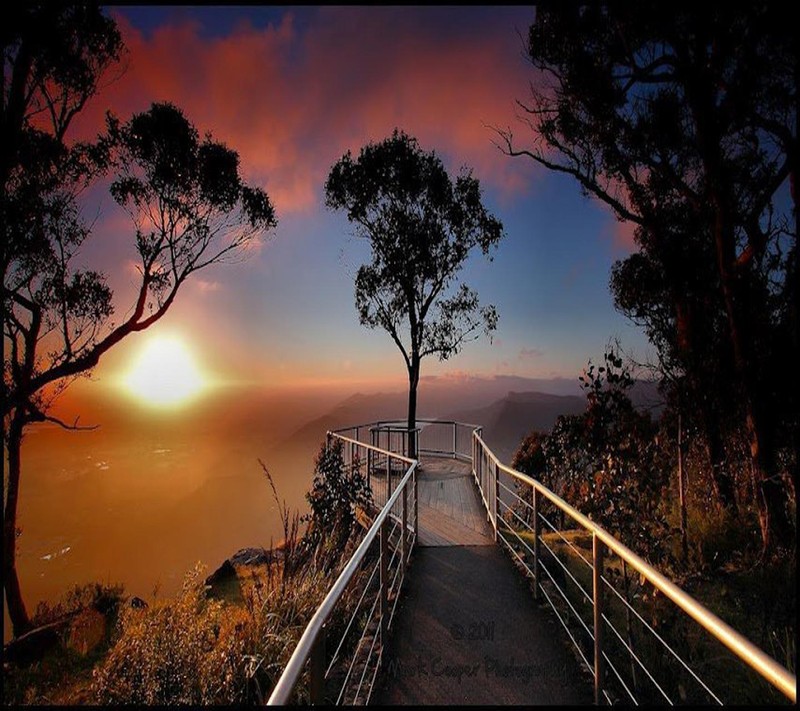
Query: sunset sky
(292, 89)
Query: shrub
(334, 497)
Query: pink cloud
(292, 102)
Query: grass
(759, 602)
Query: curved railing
(579, 586)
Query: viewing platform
(476, 584)
(468, 631)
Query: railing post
(404, 539)
(473, 447)
(496, 499)
(384, 581)
(317, 669)
(388, 479)
(537, 532)
(416, 502)
(598, 551)
(455, 439)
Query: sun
(165, 373)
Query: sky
(292, 90)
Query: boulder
(138, 604)
(244, 557)
(86, 631)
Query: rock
(252, 556)
(224, 573)
(244, 557)
(86, 631)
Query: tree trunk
(720, 474)
(16, 606)
(721, 480)
(413, 382)
(769, 491)
(681, 497)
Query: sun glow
(165, 374)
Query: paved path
(468, 630)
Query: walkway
(468, 631)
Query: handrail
(283, 689)
(419, 420)
(754, 657)
(745, 650)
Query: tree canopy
(188, 203)
(421, 225)
(683, 120)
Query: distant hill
(437, 396)
(506, 422)
(507, 414)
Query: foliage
(334, 498)
(189, 206)
(195, 650)
(683, 122)
(421, 226)
(291, 529)
(605, 462)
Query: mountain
(510, 415)
(506, 422)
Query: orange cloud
(292, 101)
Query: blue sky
(292, 89)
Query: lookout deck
(468, 630)
(450, 510)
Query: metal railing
(342, 646)
(576, 568)
(435, 438)
(631, 659)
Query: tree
(662, 112)
(189, 206)
(335, 497)
(605, 461)
(421, 226)
(685, 320)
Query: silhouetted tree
(187, 200)
(660, 112)
(605, 461)
(421, 226)
(334, 499)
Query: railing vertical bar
(404, 529)
(416, 502)
(537, 532)
(384, 579)
(496, 499)
(317, 671)
(598, 550)
(387, 483)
